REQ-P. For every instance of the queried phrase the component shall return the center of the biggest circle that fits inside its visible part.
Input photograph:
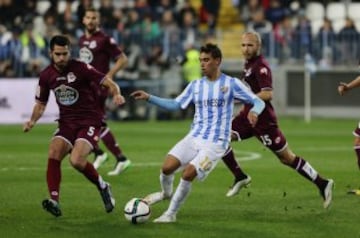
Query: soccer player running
(257, 75)
(342, 89)
(98, 49)
(200, 150)
(79, 121)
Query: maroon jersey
(73, 91)
(257, 75)
(98, 50)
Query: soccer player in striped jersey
(201, 149)
(257, 75)
(342, 89)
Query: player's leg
(241, 130)
(122, 163)
(57, 151)
(171, 164)
(199, 167)
(179, 156)
(356, 133)
(100, 157)
(82, 147)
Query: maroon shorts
(270, 135)
(72, 132)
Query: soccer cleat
(166, 218)
(238, 184)
(156, 197)
(52, 207)
(107, 198)
(120, 166)
(326, 193)
(99, 160)
(354, 191)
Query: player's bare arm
(140, 95)
(343, 87)
(114, 89)
(37, 112)
(120, 63)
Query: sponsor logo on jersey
(86, 55)
(66, 95)
(264, 70)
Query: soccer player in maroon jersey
(257, 75)
(342, 89)
(98, 49)
(79, 121)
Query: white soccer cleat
(99, 160)
(235, 189)
(156, 197)
(166, 218)
(327, 193)
(120, 167)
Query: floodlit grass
(279, 203)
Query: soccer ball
(137, 211)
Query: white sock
(166, 182)
(102, 183)
(182, 190)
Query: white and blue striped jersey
(214, 105)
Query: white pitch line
(246, 157)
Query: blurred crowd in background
(156, 34)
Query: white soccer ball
(137, 211)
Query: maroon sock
(357, 151)
(233, 166)
(91, 174)
(53, 178)
(110, 143)
(306, 170)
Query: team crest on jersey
(86, 55)
(247, 72)
(71, 77)
(66, 95)
(92, 44)
(224, 89)
(264, 70)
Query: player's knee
(189, 173)
(77, 163)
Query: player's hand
(118, 99)
(342, 88)
(253, 118)
(140, 95)
(28, 125)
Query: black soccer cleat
(109, 201)
(52, 207)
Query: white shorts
(203, 155)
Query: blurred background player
(98, 49)
(79, 122)
(342, 89)
(257, 75)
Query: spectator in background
(210, 12)
(187, 7)
(326, 42)
(284, 43)
(348, 41)
(276, 12)
(259, 24)
(303, 37)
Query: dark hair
(91, 9)
(59, 40)
(212, 49)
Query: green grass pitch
(279, 202)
